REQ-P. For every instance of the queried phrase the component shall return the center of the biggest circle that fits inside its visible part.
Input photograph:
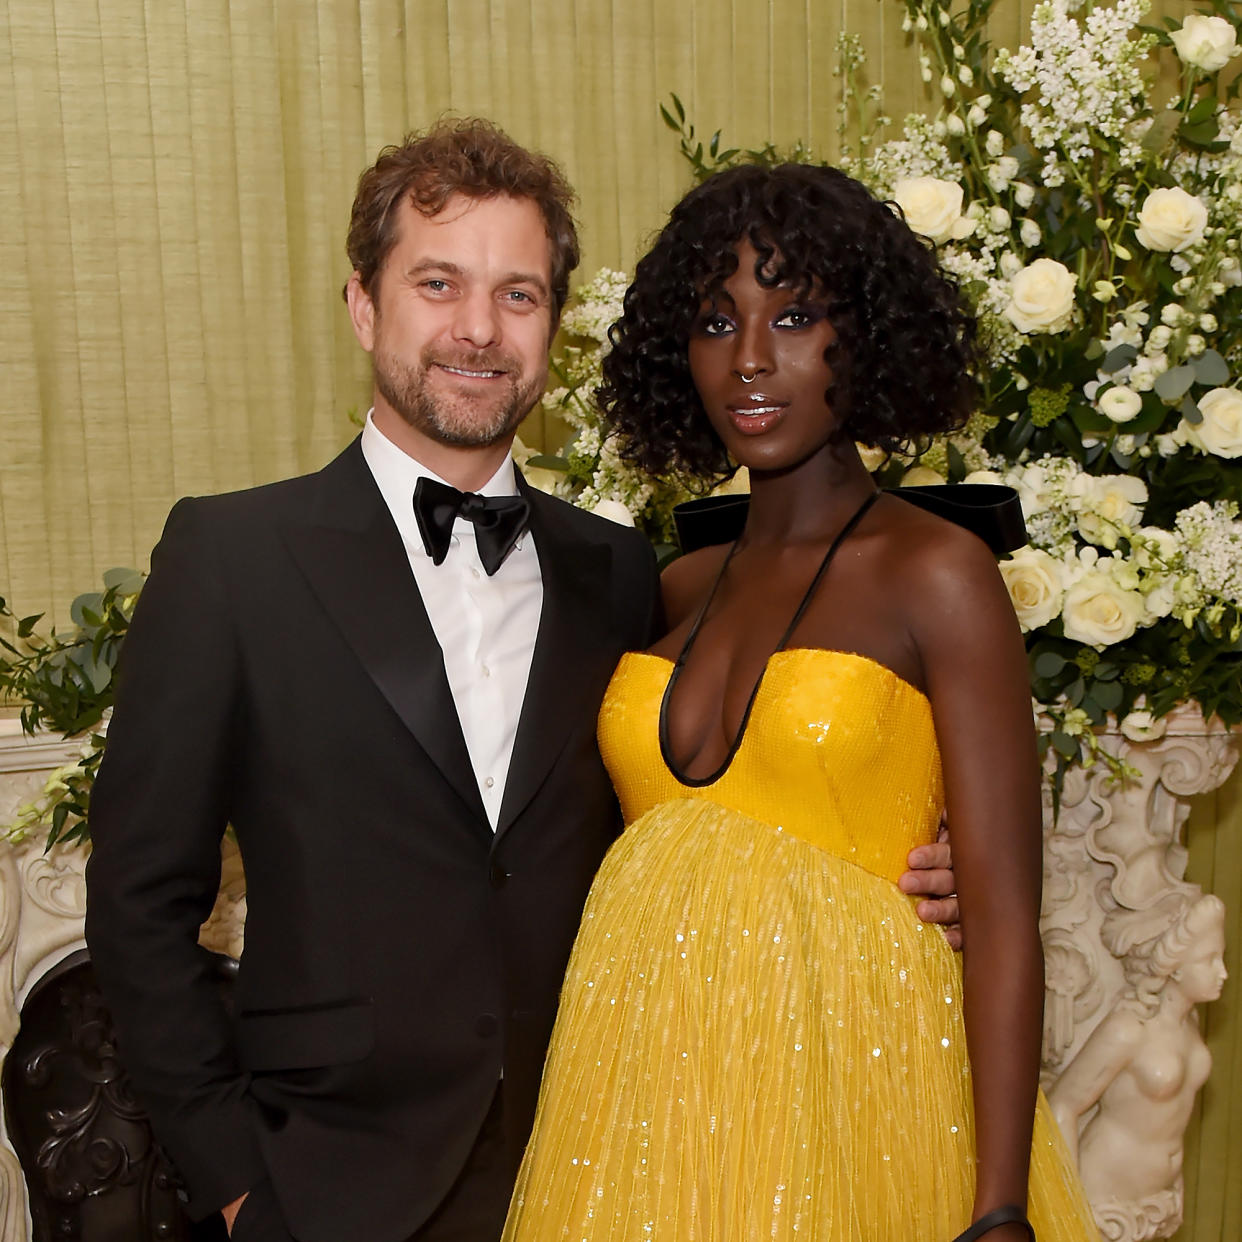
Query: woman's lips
(757, 414)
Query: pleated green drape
(175, 181)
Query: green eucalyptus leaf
(1094, 350)
(1065, 745)
(1175, 383)
(92, 601)
(1211, 370)
(1203, 109)
(1107, 694)
(124, 581)
(1190, 411)
(1075, 690)
(1049, 663)
(25, 627)
(1117, 357)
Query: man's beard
(456, 419)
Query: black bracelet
(1007, 1215)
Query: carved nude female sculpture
(1143, 1066)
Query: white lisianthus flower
(1028, 230)
(1023, 194)
(1172, 314)
(1171, 219)
(1207, 323)
(1010, 265)
(1031, 484)
(1141, 726)
(1099, 612)
(1107, 504)
(1195, 345)
(921, 476)
(1208, 43)
(993, 141)
(932, 207)
(1120, 403)
(1035, 582)
(614, 511)
(1220, 432)
(955, 125)
(999, 219)
(1041, 297)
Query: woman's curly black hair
(902, 364)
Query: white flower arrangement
(1096, 233)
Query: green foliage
(64, 683)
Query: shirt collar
(396, 475)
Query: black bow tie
(499, 521)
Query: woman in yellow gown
(758, 1039)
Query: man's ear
(361, 312)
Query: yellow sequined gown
(758, 1039)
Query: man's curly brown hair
(471, 157)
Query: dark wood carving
(94, 1173)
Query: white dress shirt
(486, 627)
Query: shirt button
(487, 672)
(474, 573)
(497, 875)
(489, 782)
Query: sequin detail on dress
(758, 1039)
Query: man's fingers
(928, 883)
(937, 856)
(944, 911)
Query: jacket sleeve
(158, 810)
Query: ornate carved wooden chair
(93, 1171)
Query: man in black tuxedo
(388, 686)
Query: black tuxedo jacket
(281, 675)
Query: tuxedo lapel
(352, 556)
(572, 659)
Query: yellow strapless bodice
(838, 751)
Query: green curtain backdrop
(176, 184)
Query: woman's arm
(975, 667)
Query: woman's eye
(714, 325)
(795, 317)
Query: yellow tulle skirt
(760, 1040)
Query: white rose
(1171, 219)
(1206, 42)
(985, 476)
(1220, 432)
(1107, 503)
(1120, 403)
(921, 476)
(932, 207)
(1035, 583)
(614, 511)
(1099, 612)
(1141, 726)
(1041, 297)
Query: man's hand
(229, 1212)
(931, 876)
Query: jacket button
(487, 1025)
(497, 875)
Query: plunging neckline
(666, 752)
